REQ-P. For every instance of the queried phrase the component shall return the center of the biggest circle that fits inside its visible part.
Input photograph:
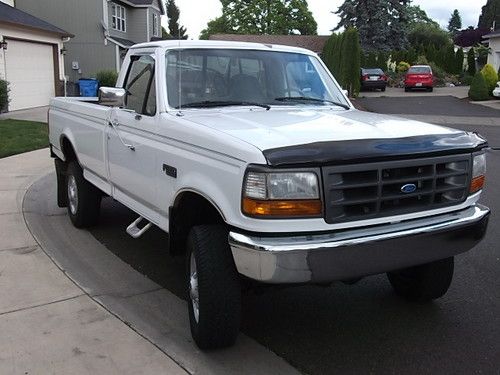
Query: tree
(455, 23)
(219, 25)
(471, 62)
(490, 13)
(417, 15)
(427, 34)
(469, 37)
(164, 34)
(478, 88)
(381, 23)
(349, 63)
(173, 13)
(459, 59)
(269, 17)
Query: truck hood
(329, 130)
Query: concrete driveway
(38, 114)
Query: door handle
(114, 125)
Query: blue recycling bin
(88, 87)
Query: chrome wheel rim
(72, 194)
(193, 288)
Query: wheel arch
(190, 207)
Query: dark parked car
(373, 78)
(419, 77)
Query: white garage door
(30, 71)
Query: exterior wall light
(3, 44)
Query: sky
(196, 13)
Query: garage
(31, 58)
(30, 71)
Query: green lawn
(18, 136)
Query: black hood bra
(366, 150)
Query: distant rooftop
(17, 17)
(314, 43)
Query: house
(30, 57)
(103, 29)
(493, 40)
(314, 43)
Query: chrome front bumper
(348, 254)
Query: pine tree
(173, 13)
(455, 23)
(381, 23)
(350, 61)
(471, 62)
(478, 88)
(459, 58)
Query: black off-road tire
(407, 89)
(88, 198)
(430, 89)
(219, 290)
(382, 89)
(425, 282)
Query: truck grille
(364, 191)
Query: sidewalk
(70, 306)
(47, 323)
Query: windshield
(199, 77)
(372, 71)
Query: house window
(119, 18)
(156, 24)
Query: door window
(140, 85)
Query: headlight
(281, 194)
(478, 172)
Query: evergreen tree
(459, 58)
(269, 17)
(381, 23)
(351, 50)
(471, 62)
(478, 88)
(455, 23)
(490, 13)
(173, 13)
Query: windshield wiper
(222, 103)
(308, 99)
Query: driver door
(131, 151)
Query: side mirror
(112, 96)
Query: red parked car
(419, 77)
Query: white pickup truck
(259, 168)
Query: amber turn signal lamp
(476, 184)
(284, 208)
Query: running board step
(133, 229)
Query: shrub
(4, 95)
(403, 66)
(490, 76)
(438, 73)
(467, 79)
(107, 78)
(422, 60)
(478, 88)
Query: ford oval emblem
(408, 188)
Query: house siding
(136, 26)
(494, 56)
(83, 19)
